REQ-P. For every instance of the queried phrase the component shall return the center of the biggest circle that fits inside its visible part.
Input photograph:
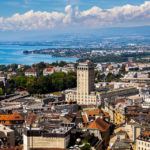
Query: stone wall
(45, 142)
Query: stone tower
(85, 81)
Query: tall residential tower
(84, 94)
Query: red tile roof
(99, 124)
(14, 116)
(49, 69)
(120, 101)
(93, 112)
(32, 70)
(146, 133)
(10, 117)
(106, 115)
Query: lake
(14, 54)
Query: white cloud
(69, 15)
(73, 17)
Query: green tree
(40, 65)
(110, 77)
(62, 63)
(32, 85)
(11, 85)
(13, 67)
(86, 147)
(9, 91)
(3, 68)
(20, 81)
(1, 91)
(57, 81)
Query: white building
(32, 72)
(143, 141)
(48, 71)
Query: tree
(86, 147)
(110, 77)
(57, 81)
(32, 85)
(10, 85)
(62, 63)
(1, 91)
(3, 68)
(13, 66)
(20, 81)
(40, 65)
(9, 91)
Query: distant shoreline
(60, 52)
(14, 54)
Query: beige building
(50, 135)
(84, 94)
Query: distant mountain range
(78, 35)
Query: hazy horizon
(47, 19)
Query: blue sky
(10, 7)
(70, 15)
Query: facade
(120, 92)
(143, 141)
(108, 107)
(7, 137)
(67, 68)
(119, 113)
(32, 72)
(57, 136)
(138, 77)
(116, 109)
(48, 71)
(84, 94)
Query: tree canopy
(57, 81)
